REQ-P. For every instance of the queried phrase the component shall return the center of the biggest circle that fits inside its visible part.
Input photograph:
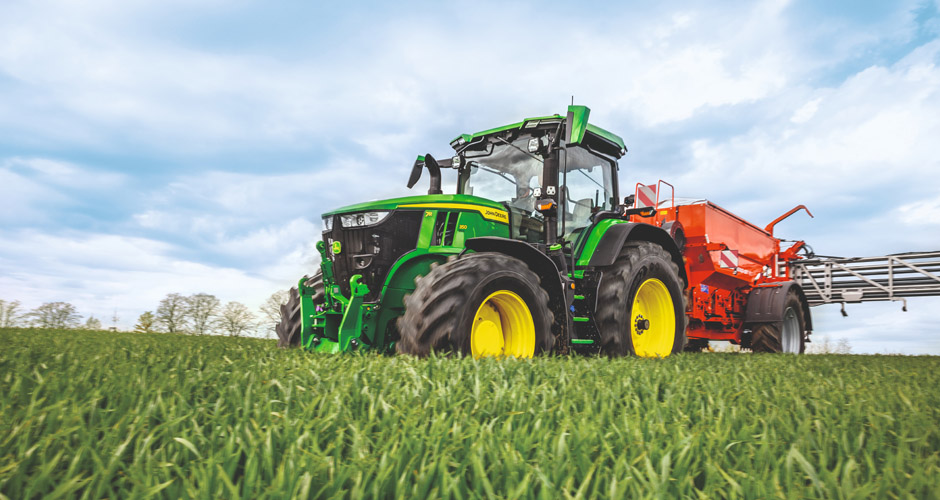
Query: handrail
(658, 191)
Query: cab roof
(605, 136)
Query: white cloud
(30, 186)
(24, 199)
(64, 174)
(159, 92)
(870, 141)
(922, 214)
(227, 199)
(269, 224)
(805, 112)
(666, 93)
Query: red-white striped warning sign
(728, 259)
(646, 196)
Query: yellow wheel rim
(653, 320)
(503, 326)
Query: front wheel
(640, 306)
(483, 304)
(288, 329)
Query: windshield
(505, 172)
(502, 169)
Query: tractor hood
(439, 201)
(367, 239)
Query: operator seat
(581, 213)
(578, 218)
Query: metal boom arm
(868, 279)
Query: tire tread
(611, 314)
(431, 311)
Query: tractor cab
(562, 159)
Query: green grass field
(120, 415)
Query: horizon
(179, 147)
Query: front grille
(371, 251)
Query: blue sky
(187, 146)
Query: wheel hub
(790, 334)
(642, 324)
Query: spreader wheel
(640, 306)
(288, 329)
(482, 304)
(786, 336)
(696, 345)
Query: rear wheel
(288, 329)
(483, 304)
(786, 336)
(641, 307)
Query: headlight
(362, 219)
(327, 224)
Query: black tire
(288, 329)
(439, 315)
(787, 336)
(639, 262)
(696, 345)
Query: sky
(148, 148)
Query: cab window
(588, 188)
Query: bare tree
(9, 314)
(271, 310)
(114, 321)
(172, 313)
(92, 323)
(842, 346)
(235, 319)
(56, 315)
(202, 309)
(145, 323)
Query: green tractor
(534, 253)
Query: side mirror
(416, 172)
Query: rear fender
(765, 303)
(616, 235)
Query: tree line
(198, 314)
(59, 315)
